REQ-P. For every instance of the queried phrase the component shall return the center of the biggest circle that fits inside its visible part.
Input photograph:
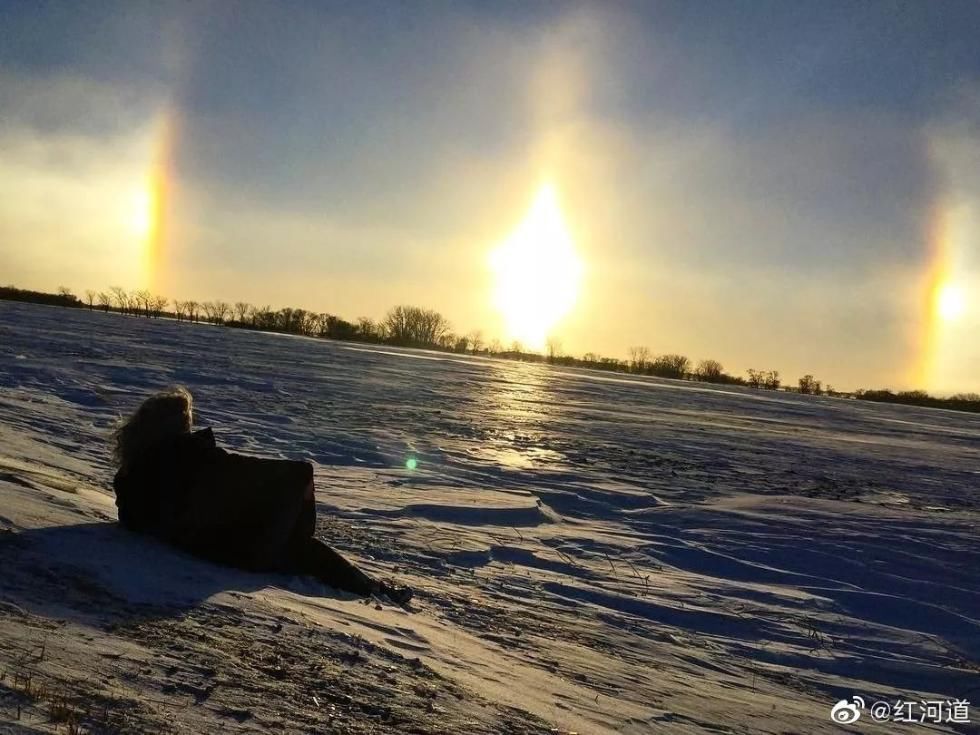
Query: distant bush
(663, 366)
(412, 326)
(336, 328)
(710, 371)
(810, 385)
(768, 379)
(670, 366)
(639, 359)
(595, 361)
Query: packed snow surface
(592, 553)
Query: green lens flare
(411, 463)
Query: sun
(537, 272)
(950, 302)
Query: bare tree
(670, 366)
(65, 291)
(476, 341)
(141, 300)
(264, 318)
(191, 309)
(554, 349)
(320, 324)
(308, 322)
(290, 320)
(772, 380)
(368, 330)
(639, 359)
(120, 296)
(105, 300)
(709, 371)
(159, 304)
(300, 321)
(809, 385)
(221, 311)
(242, 310)
(413, 326)
(338, 328)
(90, 298)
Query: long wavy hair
(160, 417)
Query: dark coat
(227, 507)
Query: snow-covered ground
(591, 553)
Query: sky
(775, 185)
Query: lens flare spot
(411, 463)
(537, 272)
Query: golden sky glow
(950, 320)
(142, 206)
(537, 272)
(157, 188)
(722, 211)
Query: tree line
(413, 326)
(957, 402)
(64, 297)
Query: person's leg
(331, 568)
(310, 555)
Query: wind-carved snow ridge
(590, 554)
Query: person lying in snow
(255, 514)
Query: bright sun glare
(138, 214)
(950, 302)
(537, 272)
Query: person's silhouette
(257, 514)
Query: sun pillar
(156, 215)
